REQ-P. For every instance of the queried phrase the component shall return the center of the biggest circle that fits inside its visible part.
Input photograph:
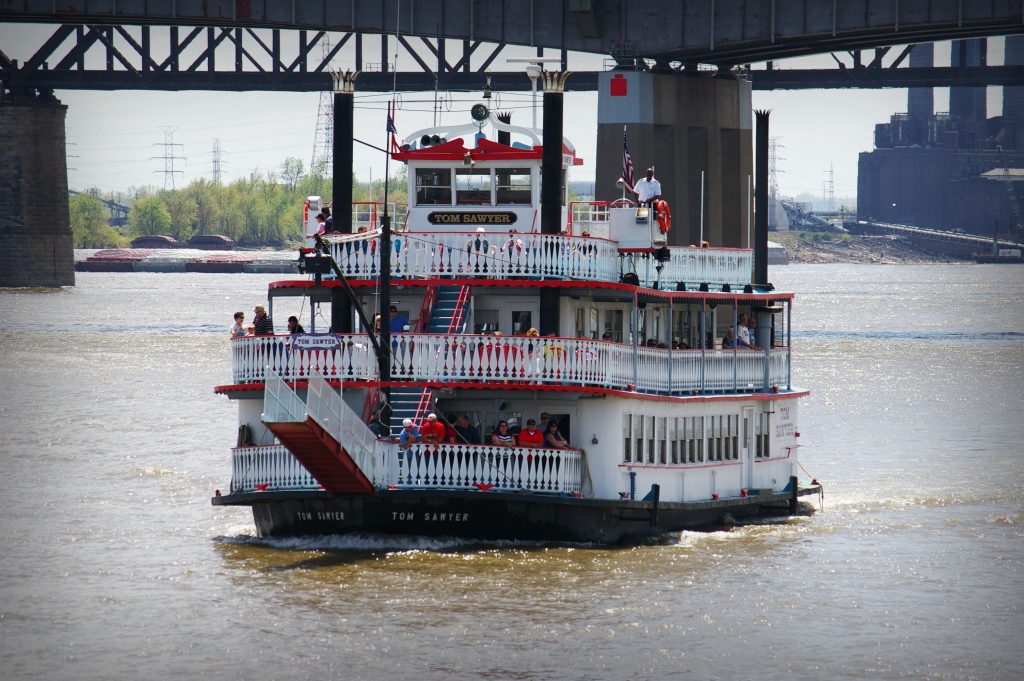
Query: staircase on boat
(447, 315)
(313, 431)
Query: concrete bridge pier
(682, 124)
(36, 247)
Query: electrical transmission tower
(322, 161)
(169, 158)
(773, 180)
(217, 161)
(829, 188)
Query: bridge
(239, 45)
(953, 242)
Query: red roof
(486, 150)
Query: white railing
(461, 466)
(429, 255)
(690, 265)
(447, 466)
(518, 359)
(268, 467)
(280, 403)
(328, 409)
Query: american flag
(395, 146)
(627, 165)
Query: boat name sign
(315, 342)
(457, 218)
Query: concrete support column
(681, 124)
(36, 246)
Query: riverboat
(501, 318)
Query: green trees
(89, 226)
(263, 209)
(149, 216)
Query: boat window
(434, 186)
(485, 321)
(522, 320)
(513, 186)
(564, 176)
(472, 187)
(613, 324)
(627, 449)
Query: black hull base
(493, 516)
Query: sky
(116, 139)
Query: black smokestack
(761, 200)
(551, 189)
(341, 184)
(505, 137)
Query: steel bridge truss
(105, 57)
(119, 57)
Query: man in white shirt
(648, 190)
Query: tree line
(262, 210)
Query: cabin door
(747, 447)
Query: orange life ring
(664, 216)
(305, 214)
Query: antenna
(169, 158)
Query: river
(115, 565)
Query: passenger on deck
(294, 327)
(328, 219)
(553, 439)
(433, 430)
(321, 227)
(262, 324)
(466, 432)
(648, 189)
(501, 437)
(237, 331)
(531, 436)
(376, 324)
(729, 340)
(752, 331)
(743, 333)
(409, 436)
(398, 322)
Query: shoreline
(825, 248)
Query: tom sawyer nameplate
(471, 218)
(315, 342)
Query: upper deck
(514, 256)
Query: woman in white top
(237, 331)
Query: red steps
(322, 456)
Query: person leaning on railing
(502, 437)
(262, 324)
(531, 436)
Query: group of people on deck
(745, 335)
(262, 324)
(433, 431)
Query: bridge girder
(103, 57)
(690, 31)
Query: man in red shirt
(433, 430)
(531, 435)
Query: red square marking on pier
(620, 85)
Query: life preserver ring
(305, 213)
(664, 216)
